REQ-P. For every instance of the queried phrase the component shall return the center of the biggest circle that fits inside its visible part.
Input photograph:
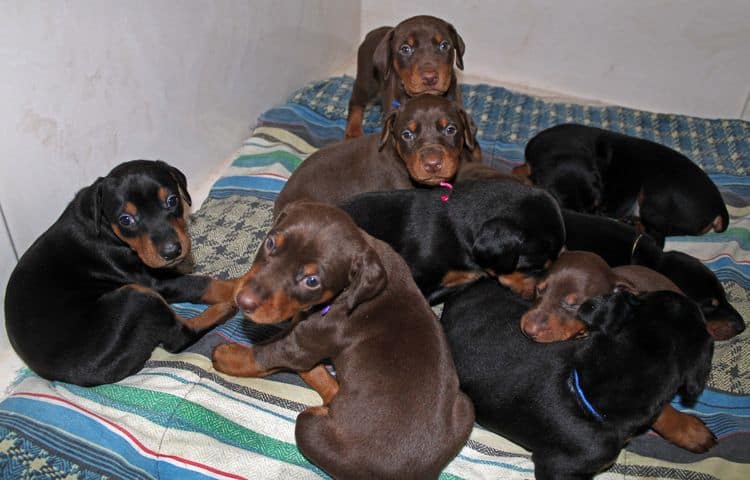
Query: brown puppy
(397, 411)
(424, 141)
(577, 276)
(573, 278)
(397, 63)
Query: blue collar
(395, 104)
(575, 385)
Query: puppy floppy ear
(96, 206)
(696, 377)
(181, 180)
(367, 278)
(497, 246)
(381, 58)
(458, 42)
(387, 131)
(470, 129)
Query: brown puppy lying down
(397, 411)
(574, 278)
(398, 63)
(424, 141)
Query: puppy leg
(322, 382)
(520, 283)
(354, 121)
(300, 349)
(196, 289)
(684, 430)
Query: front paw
(519, 283)
(235, 359)
(696, 436)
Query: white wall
(89, 84)
(680, 56)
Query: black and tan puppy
(87, 302)
(620, 244)
(575, 404)
(397, 411)
(498, 227)
(597, 171)
(423, 142)
(398, 63)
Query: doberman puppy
(620, 244)
(498, 227)
(574, 278)
(87, 302)
(592, 170)
(595, 393)
(423, 142)
(398, 63)
(396, 411)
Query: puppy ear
(387, 131)
(96, 206)
(458, 42)
(696, 376)
(181, 180)
(496, 246)
(470, 129)
(367, 278)
(381, 58)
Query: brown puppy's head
(421, 51)
(572, 279)
(429, 133)
(313, 254)
(146, 204)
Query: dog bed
(179, 418)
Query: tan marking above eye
(163, 194)
(715, 302)
(130, 208)
(310, 269)
(443, 122)
(438, 38)
(412, 125)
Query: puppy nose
(433, 165)
(429, 78)
(532, 324)
(170, 251)
(247, 300)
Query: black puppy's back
(498, 224)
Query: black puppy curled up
(592, 170)
(575, 404)
(87, 302)
(498, 227)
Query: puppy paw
(692, 434)
(235, 359)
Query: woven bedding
(179, 418)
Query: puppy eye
(406, 49)
(408, 135)
(172, 201)
(126, 220)
(311, 281)
(541, 288)
(450, 130)
(444, 46)
(270, 244)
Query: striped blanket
(179, 418)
